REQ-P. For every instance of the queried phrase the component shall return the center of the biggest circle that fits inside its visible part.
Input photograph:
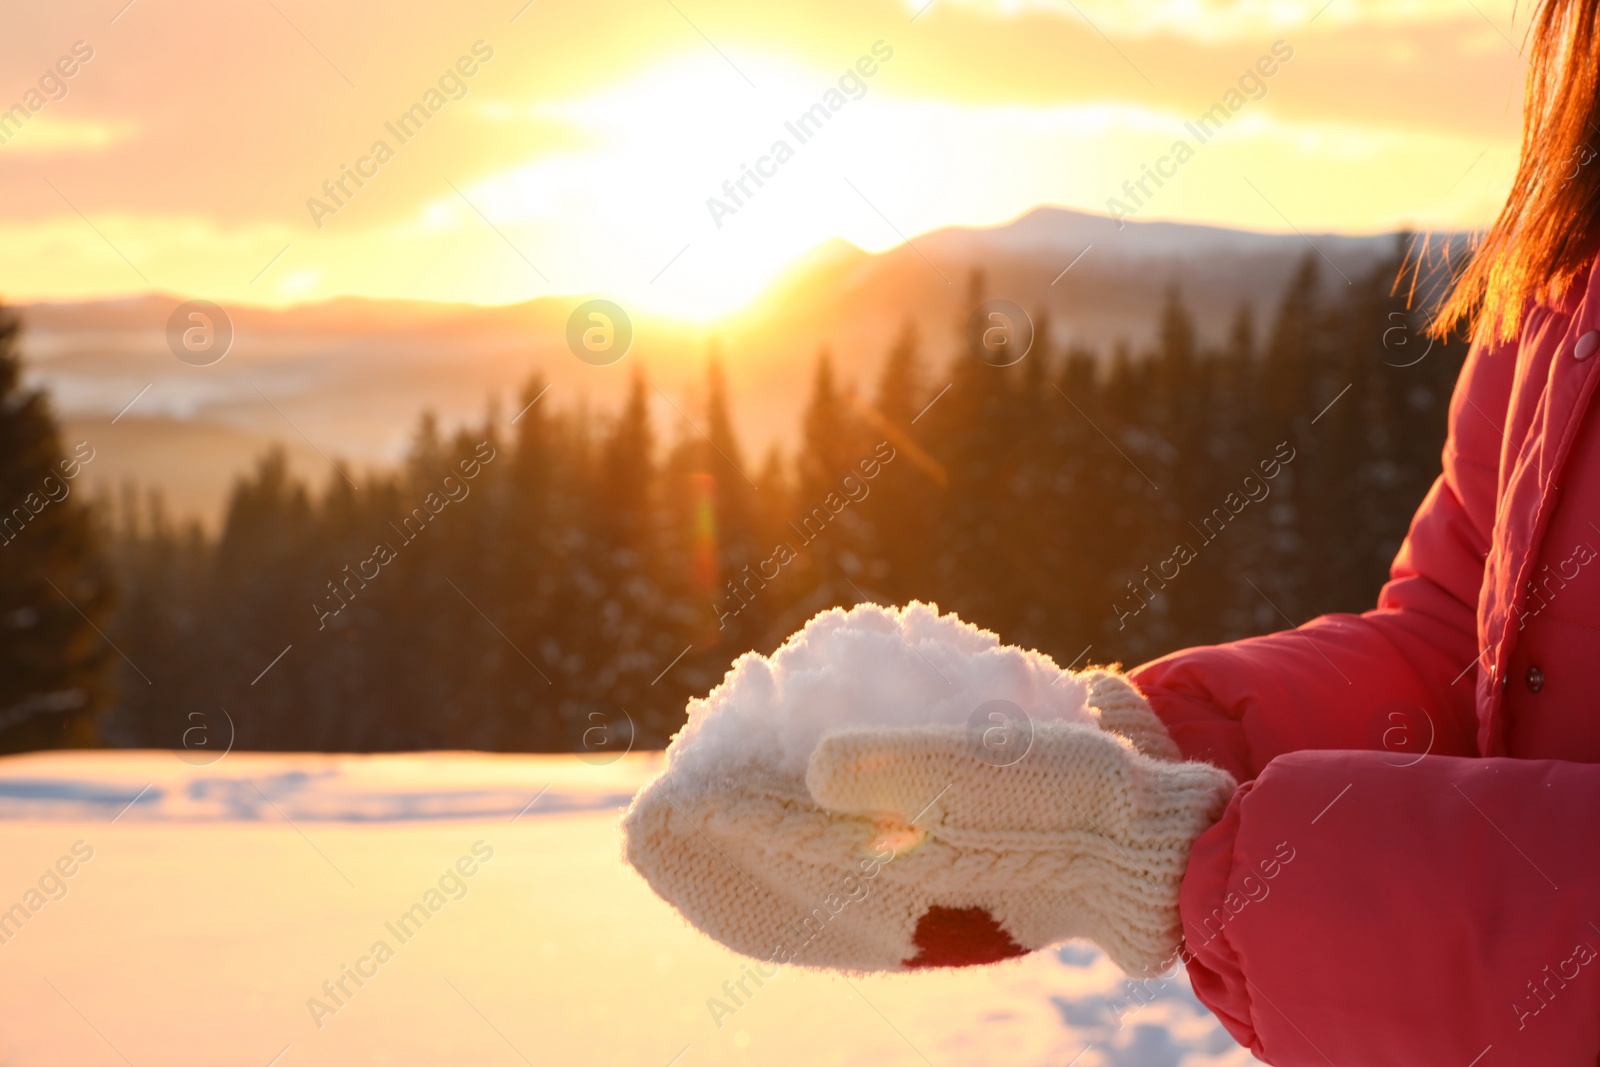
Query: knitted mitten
(1124, 711)
(905, 847)
(1085, 837)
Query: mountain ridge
(349, 376)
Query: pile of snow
(870, 665)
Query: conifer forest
(521, 586)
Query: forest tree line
(511, 586)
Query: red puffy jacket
(1407, 873)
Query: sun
(658, 206)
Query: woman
(1440, 908)
(1408, 871)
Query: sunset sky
(580, 155)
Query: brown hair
(1546, 232)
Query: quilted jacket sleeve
(1358, 908)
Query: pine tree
(162, 575)
(1290, 368)
(726, 552)
(538, 552)
(906, 493)
(1210, 482)
(54, 589)
(1239, 559)
(968, 437)
(830, 533)
(265, 585)
(635, 635)
(1081, 505)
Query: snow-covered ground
(175, 914)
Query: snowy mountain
(346, 379)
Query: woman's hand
(911, 847)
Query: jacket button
(1535, 679)
(1586, 345)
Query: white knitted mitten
(1124, 711)
(905, 847)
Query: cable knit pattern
(1088, 835)
(1085, 837)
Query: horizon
(793, 268)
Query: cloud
(57, 136)
(1225, 20)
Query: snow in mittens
(870, 665)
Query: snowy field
(475, 910)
